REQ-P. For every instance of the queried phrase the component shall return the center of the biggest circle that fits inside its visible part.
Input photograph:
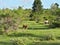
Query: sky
(25, 3)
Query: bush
(54, 25)
(50, 37)
(17, 42)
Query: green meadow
(36, 34)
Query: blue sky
(25, 3)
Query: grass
(36, 34)
(32, 37)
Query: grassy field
(36, 34)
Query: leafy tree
(8, 20)
(55, 12)
(54, 8)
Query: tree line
(52, 14)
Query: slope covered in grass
(32, 37)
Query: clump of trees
(11, 19)
(7, 21)
(52, 14)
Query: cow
(46, 22)
(25, 26)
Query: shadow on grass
(5, 43)
(22, 35)
(40, 37)
(38, 28)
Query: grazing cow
(46, 21)
(25, 26)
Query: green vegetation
(36, 10)
(29, 37)
(35, 34)
(36, 26)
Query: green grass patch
(32, 37)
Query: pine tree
(36, 9)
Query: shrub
(17, 42)
(50, 37)
(54, 25)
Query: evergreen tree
(36, 9)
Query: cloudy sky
(25, 3)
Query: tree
(54, 8)
(55, 12)
(36, 9)
(8, 20)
